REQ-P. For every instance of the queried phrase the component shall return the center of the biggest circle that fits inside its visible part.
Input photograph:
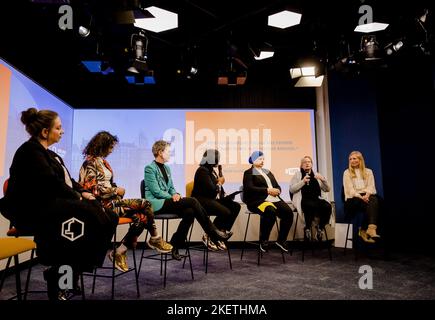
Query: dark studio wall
(389, 115)
(354, 126)
(406, 109)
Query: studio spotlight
(393, 47)
(309, 72)
(370, 47)
(139, 46)
(84, 32)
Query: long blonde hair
(362, 165)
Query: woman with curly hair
(96, 176)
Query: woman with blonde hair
(360, 195)
(307, 188)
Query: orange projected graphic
(5, 84)
(284, 137)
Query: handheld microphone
(221, 189)
(307, 174)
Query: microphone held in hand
(307, 174)
(221, 189)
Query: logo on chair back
(72, 229)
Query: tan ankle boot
(371, 231)
(365, 236)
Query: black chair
(305, 240)
(114, 273)
(356, 219)
(204, 247)
(257, 244)
(163, 257)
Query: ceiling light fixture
(161, 20)
(371, 27)
(284, 19)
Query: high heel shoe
(217, 235)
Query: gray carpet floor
(398, 277)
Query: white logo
(66, 20)
(366, 280)
(367, 17)
(68, 233)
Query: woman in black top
(261, 193)
(42, 199)
(307, 187)
(208, 190)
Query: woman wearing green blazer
(160, 191)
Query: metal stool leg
(294, 233)
(26, 288)
(244, 239)
(17, 277)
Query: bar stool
(11, 248)
(114, 274)
(204, 247)
(163, 257)
(259, 252)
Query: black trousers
(371, 209)
(226, 211)
(187, 209)
(267, 219)
(316, 208)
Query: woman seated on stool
(261, 195)
(360, 195)
(306, 187)
(160, 190)
(96, 176)
(42, 197)
(208, 190)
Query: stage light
(232, 78)
(393, 47)
(141, 79)
(370, 47)
(97, 66)
(371, 27)
(84, 32)
(161, 20)
(308, 72)
(139, 46)
(284, 19)
(309, 81)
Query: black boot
(51, 276)
(76, 290)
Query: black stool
(259, 252)
(114, 274)
(204, 248)
(163, 257)
(305, 240)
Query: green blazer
(156, 188)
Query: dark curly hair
(100, 144)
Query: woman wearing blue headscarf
(261, 193)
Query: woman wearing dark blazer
(208, 190)
(261, 194)
(42, 197)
